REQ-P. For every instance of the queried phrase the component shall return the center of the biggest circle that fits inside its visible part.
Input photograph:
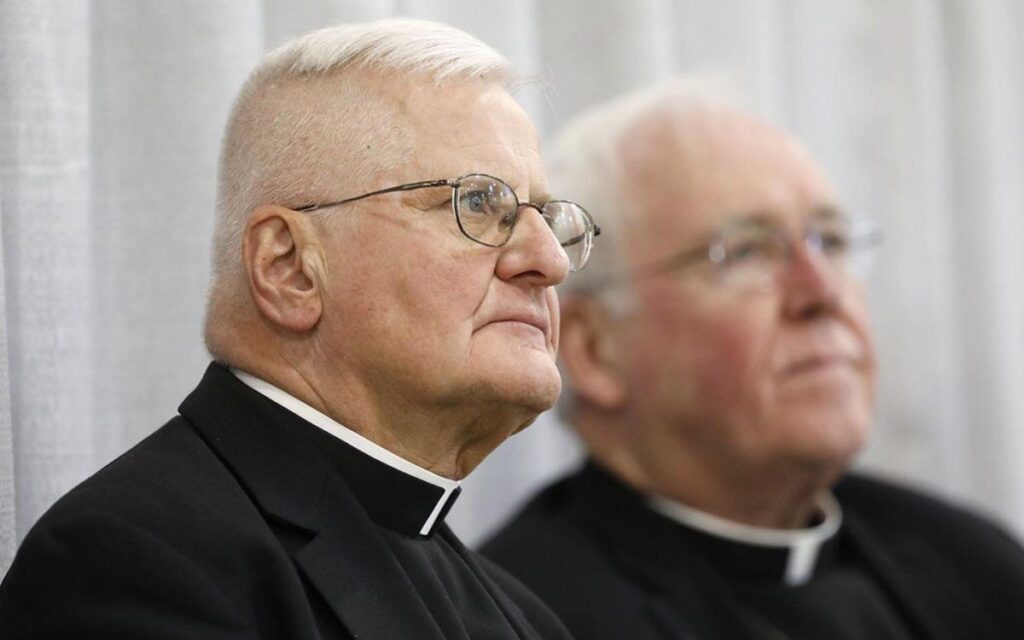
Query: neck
(446, 440)
(774, 495)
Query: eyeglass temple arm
(426, 184)
(577, 239)
(675, 261)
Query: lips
(536, 322)
(525, 319)
(818, 364)
(822, 348)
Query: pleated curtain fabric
(111, 114)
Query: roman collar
(394, 492)
(746, 549)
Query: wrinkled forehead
(693, 172)
(462, 127)
(357, 130)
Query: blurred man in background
(382, 316)
(720, 373)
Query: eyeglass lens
(487, 210)
(756, 253)
(572, 228)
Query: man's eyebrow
(767, 218)
(751, 219)
(829, 212)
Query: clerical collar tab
(801, 545)
(395, 492)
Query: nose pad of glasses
(815, 244)
(548, 221)
(507, 222)
(811, 260)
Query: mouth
(526, 325)
(818, 364)
(523, 324)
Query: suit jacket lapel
(346, 559)
(647, 546)
(351, 565)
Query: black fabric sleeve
(89, 576)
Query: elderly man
(382, 316)
(721, 377)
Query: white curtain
(110, 118)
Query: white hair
(585, 162)
(284, 140)
(418, 47)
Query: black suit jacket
(622, 573)
(226, 524)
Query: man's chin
(833, 445)
(529, 394)
(535, 395)
(524, 425)
(519, 376)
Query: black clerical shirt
(899, 567)
(408, 504)
(250, 515)
(802, 583)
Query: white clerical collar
(353, 439)
(803, 544)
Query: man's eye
(749, 251)
(507, 221)
(476, 202)
(834, 242)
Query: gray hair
(415, 48)
(418, 47)
(274, 150)
(585, 162)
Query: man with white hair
(720, 373)
(382, 315)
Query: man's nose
(533, 252)
(811, 284)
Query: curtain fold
(45, 180)
(8, 529)
(163, 75)
(987, 103)
(110, 120)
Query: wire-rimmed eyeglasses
(751, 251)
(487, 210)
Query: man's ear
(284, 267)
(589, 352)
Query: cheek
(413, 301)
(731, 355)
(860, 323)
(555, 317)
(861, 326)
(705, 350)
(437, 309)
